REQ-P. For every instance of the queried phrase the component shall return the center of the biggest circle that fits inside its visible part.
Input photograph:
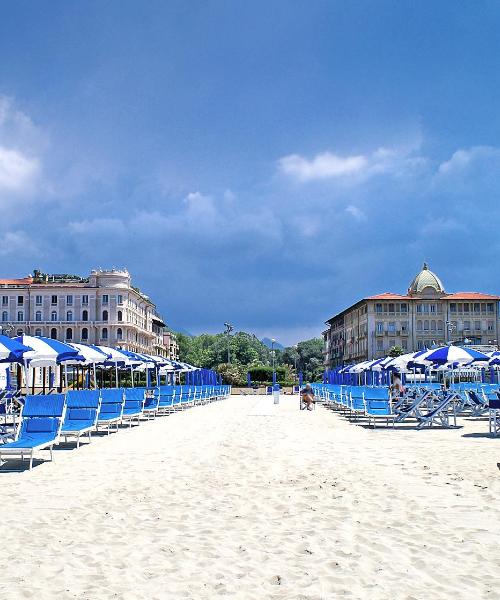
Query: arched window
(433, 325)
(53, 333)
(85, 334)
(20, 315)
(104, 315)
(419, 325)
(69, 315)
(85, 315)
(440, 325)
(104, 334)
(426, 325)
(53, 316)
(120, 315)
(38, 315)
(38, 332)
(5, 316)
(119, 333)
(69, 333)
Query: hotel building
(426, 315)
(104, 308)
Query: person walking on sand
(307, 396)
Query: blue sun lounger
(166, 395)
(82, 409)
(151, 400)
(441, 413)
(133, 405)
(40, 427)
(378, 405)
(111, 409)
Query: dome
(426, 279)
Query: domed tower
(426, 283)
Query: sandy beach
(245, 499)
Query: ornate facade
(102, 309)
(426, 315)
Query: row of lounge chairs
(45, 419)
(424, 405)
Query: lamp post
(228, 330)
(273, 341)
(296, 348)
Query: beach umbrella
(46, 352)
(453, 354)
(11, 350)
(117, 358)
(93, 355)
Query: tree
(396, 351)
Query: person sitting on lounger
(307, 396)
(397, 388)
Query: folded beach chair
(40, 427)
(378, 405)
(133, 405)
(441, 413)
(151, 400)
(82, 408)
(111, 409)
(414, 408)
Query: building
(426, 315)
(104, 309)
(171, 344)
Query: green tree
(396, 351)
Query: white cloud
(91, 227)
(355, 212)
(464, 158)
(395, 162)
(17, 171)
(322, 166)
(17, 243)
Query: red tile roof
(471, 296)
(388, 296)
(26, 280)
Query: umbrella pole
(95, 376)
(26, 382)
(132, 375)
(66, 376)
(116, 373)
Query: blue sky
(264, 163)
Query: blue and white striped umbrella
(92, 355)
(46, 352)
(11, 350)
(453, 354)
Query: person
(397, 388)
(307, 396)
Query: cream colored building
(426, 315)
(102, 309)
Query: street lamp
(228, 330)
(273, 341)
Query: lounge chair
(111, 409)
(378, 405)
(151, 400)
(441, 413)
(494, 415)
(82, 409)
(414, 408)
(133, 405)
(40, 427)
(166, 395)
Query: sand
(244, 499)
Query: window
(20, 300)
(419, 308)
(53, 333)
(466, 307)
(404, 325)
(385, 308)
(69, 333)
(380, 345)
(477, 307)
(490, 325)
(433, 325)
(104, 315)
(120, 299)
(104, 334)
(391, 307)
(53, 316)
(38, 315)
(38, 300)
(420, 345)
(38, 332)
(119, 334)
(404, 308)
(453, 307)
(419, 325)
(85, 334)
(5, 300)
(69, 300)
(105, 298)
(466, 325)
(69, 315)
(378, 308)
(5, 316)
(20, 316)
(404, 344)
(380, 327)
(391, 327)
(120, 315)
(477, 325)
(433, 308)
(440, 325)
(426, 325)
(53, 300)
(85, 299)
(491, 307)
